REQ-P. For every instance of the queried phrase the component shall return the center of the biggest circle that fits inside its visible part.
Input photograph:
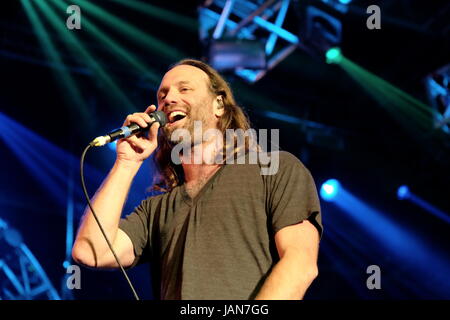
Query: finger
(153, 132)
(147, 118)
(150, 109)
(136, 142)
(137, 118)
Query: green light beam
(114, 91)
(67, 84)
(411, 118)
(116, 48)
(405, 108)
(184, 22)
(349, 65)
(133, 33)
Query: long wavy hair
(171, 175)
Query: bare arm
(298, 247)
(90, 247)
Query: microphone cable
(98, 221)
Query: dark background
(363, 146)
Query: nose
(171, 98)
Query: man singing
(220, 230)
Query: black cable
(99, 224)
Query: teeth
(173, 114)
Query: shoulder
(281, 162)
(273, 163)
(287, 158)
(152, 199)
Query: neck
(200, 164)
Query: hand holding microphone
(133, 145)
(134, 124)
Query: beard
(176, 132)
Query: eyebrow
(164, 89)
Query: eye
(184, 89)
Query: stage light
(333, 55)
(403, 192)
(235, 40)
(231, 54)
(438, 90)
(321, 32)
(330, 189)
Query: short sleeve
(136, 226)
(292, 195)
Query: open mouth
(175, 116)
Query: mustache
(170, 108)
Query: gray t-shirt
(220, 245)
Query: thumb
(154, 131)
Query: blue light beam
(401, 244)
(47, 163)
(403, 193)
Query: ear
(218, 106)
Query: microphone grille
(160, 117)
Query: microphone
(132, 129)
